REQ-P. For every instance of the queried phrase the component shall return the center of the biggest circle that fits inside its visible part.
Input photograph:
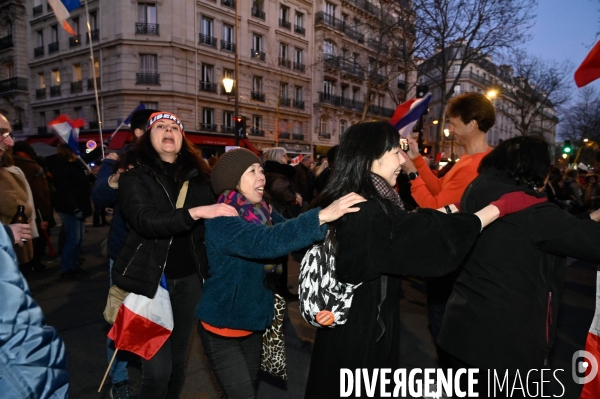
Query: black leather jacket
(148, 206)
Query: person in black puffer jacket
(73, 203)
(166, 239)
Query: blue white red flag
(62, 11)
(143, 324)
(68, 130)
(408, 113)
(589, 70)
(127, 120)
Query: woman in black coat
(166, 239)
(377, 245)
(503, 311)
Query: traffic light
(426, 150)
(240, 126)
(567, 147)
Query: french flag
(591, 389)
(62, 11)
(143, 324)
(589, 70)
(68, 130)
(408, 113)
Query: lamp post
(228, 83)
(447, 134)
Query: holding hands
(340, 207)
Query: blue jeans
(75, 231)
(163, 375)
(118, 370)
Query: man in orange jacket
(471, 115)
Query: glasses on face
(5, 133)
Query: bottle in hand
(20, 217)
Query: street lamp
(447, 134)
(228, 84)
(435, 122)
(491, 94)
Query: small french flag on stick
(68, 130)
(408, 113)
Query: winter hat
(155, 117)
(230, 167)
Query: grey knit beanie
(230, 167)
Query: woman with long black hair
(377, 245)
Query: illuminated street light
(565, 156)
(585, 140)
(491, 94)
(435, 122)
(228, 84)
(447, 132)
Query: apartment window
(42, 119)
(55, 77)
(257, 42)
(53, 33)
(257, 124)
(257, 84)
(228, 40)
(284, 17)
(328, 87)
(148, 63)
(323, 126)
(355, 94)
(283, 50)
(330, 9)
(39, 38)
(208, 79)
(228, 73)
(75, 24)
(10, 70)
(208, 119)
(297, 128)
(93, 20)
(345, 92)
(329, 47)
(150, 105)
(41, 80)
(78, 112)
(96, 68)
(381, 101)
(343, 125)
(283, 90)
(147, 13)
(298, 55)
(76, 72)
(298, 93)
(227, 121)
(207, 27)
(299, 20)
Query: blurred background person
(573, 190)
(73, 204)
(591, 192)
(25, 159)
(322, 177)
(303, 179)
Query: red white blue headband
(155, 117)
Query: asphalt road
(75, 308)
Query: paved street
(75, 308)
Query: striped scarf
(252, 213)
(386, 191)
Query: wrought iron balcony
(402, 85)
(260, 55)
(297, 136)
(258, 96)
(352, 69)
(298, 104)
(42, 130)
(147, 78)
(258, 13)
(285, 24)
(228, 3)
(284, 135)
(208, 40)
(55, 91)
(326, 136)
(284, 62)
(299, 29)
(143, 28)
(257, 132)
(12, 84)
(227, 129)
(53, 47)
(348, 103)
(285, 101)
(90, 83)
(208, 86)
(38, 10)
(299, 67)
(95, 33)
(6, 42)
(339, 25)
(208, 127)
(227, 46)
(38, 51)
(40, 93)
(77, 87)
(74, 41)
(331, 60)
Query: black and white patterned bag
(324, 300)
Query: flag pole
(115, 132)
(89, 32)
(108, 369)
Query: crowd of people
(220, 232)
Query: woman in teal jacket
(237, 301)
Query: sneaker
(120, 392)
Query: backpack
(324, 300)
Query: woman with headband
(165, 198)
